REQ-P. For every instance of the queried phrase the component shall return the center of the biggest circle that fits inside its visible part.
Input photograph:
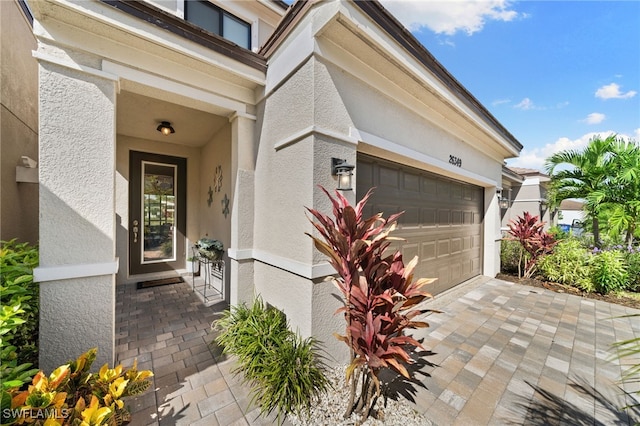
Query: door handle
(135, 231)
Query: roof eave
(396, 30)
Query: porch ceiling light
(165, 128)
(344, 172)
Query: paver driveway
(502, 354)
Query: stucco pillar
(492, 236)
(77, 205)
(243, 153)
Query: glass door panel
(159, 206)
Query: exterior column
(492, 235)
(243, 154)
(77, 211)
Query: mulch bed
(562, 288)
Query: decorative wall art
(210, 199)
(225, 206)
(217, 179)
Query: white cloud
(500, 102)
(594, 118)
(612, 91)
(449, 17)
(534, 158)
(525, 104)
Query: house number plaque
(456, 161)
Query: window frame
(221, 14)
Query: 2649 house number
(456, 161)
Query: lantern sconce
(344, 172)
(503, 202)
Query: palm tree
(624, 189)
(586, 176)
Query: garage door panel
(456, 191)
(428, 185)
(388, 177)
(442, 220)
(410, 183)
(456, 217)
(428, 250)
(444, 248)
(428, 217)
(444, 217)
(456, 245)
(467, 218)
(411, 217)
(409, 251)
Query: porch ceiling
(138, 116)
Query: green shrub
(284, 371)
(632, 259)
(558, 234)
(72, 395)
(568, 264)
(510, 256)
(19, 313)
(608, 271)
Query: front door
(157, 213)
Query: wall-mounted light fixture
(165, 128)
(503, 202)
(344, 172)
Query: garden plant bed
(563, 288)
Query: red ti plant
(535, 242)
(379, 294)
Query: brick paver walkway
(513, 354)
(502, 354)
(168, 329)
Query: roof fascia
(183, 28)
(509, 174)
(286, 25)
(27, 11)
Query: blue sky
(554, 73)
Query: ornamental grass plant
(284, 371)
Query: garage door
(442, 223)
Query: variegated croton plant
(379, 293)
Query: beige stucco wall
(18, 123)
(213, 223)
(310, 117)
(77, 224)
(526, 198)
(344, 102)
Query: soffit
(366, 50)
(138, 117)
(123, 31)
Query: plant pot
(193, 267)
(210, 254)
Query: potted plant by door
(193, 266)
(210, 249)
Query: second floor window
(215, 20)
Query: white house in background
(525, 190)
(571, 214)
(262, 97)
